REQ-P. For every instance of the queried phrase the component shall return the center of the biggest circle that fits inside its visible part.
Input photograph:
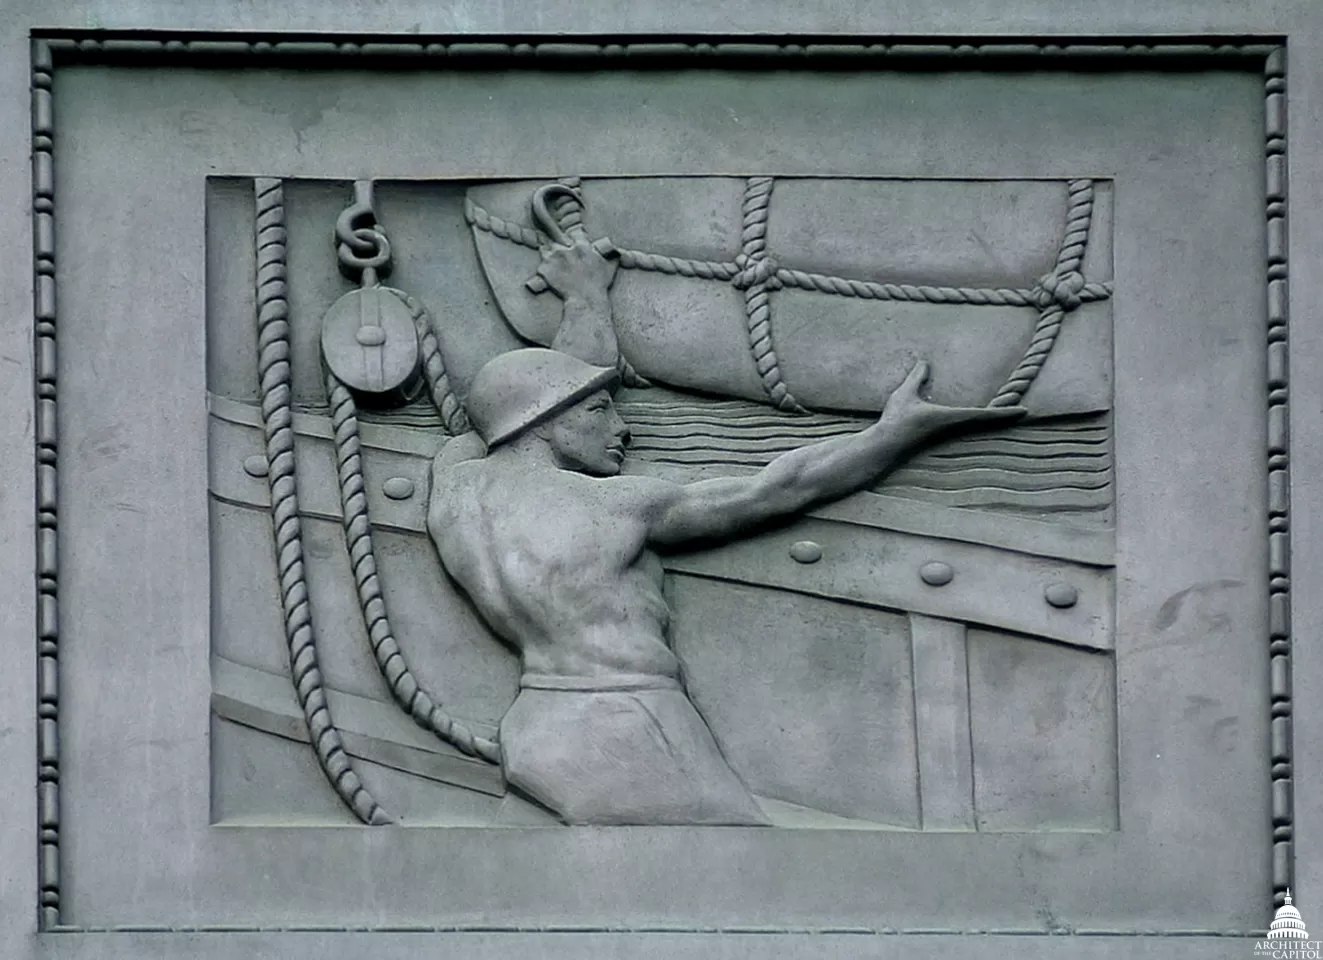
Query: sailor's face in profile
(589, 437)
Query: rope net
(757, 274)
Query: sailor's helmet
(521, 388)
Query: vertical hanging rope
(1057, 294)
(274, 374)
(419, 704)
(364, 253)
(757, 278)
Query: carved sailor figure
(556, 550)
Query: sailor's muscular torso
(557, 563)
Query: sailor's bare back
(558, 564)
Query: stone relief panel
(789, 503)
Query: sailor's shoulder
(455, 451)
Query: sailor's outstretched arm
(822, 471)
(582, 278)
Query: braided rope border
(273, 368)
(50, 49)
(639, 51)
(47, 444)
(1279, 481)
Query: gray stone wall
(129, 146)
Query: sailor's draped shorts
(624, 750)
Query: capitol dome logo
(1287, 937)
(1287, 925)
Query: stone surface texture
(1141, 701)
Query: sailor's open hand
(906, 410)
(576, 270)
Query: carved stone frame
(50, 51)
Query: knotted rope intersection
(755, 272)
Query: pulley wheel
(369, 342)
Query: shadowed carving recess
(548, 421)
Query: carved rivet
(1061, 595)
(255, 466)
(370, 335)
(936, 574)
(806, 551)
(398, 488)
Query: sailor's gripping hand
(576, 270)
(917, 419)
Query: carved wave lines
(1062, 465)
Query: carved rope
(677, 266)
(758, 274)
(1056, 294)
(488, 222)
(920, 293)
(416, 701)
(757, 277)
(452, 412)
(274, 373)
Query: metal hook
(361, 243)
(360, 213)
(542, 215)
(570, 207)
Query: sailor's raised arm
(722, 507)
(582, 278)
